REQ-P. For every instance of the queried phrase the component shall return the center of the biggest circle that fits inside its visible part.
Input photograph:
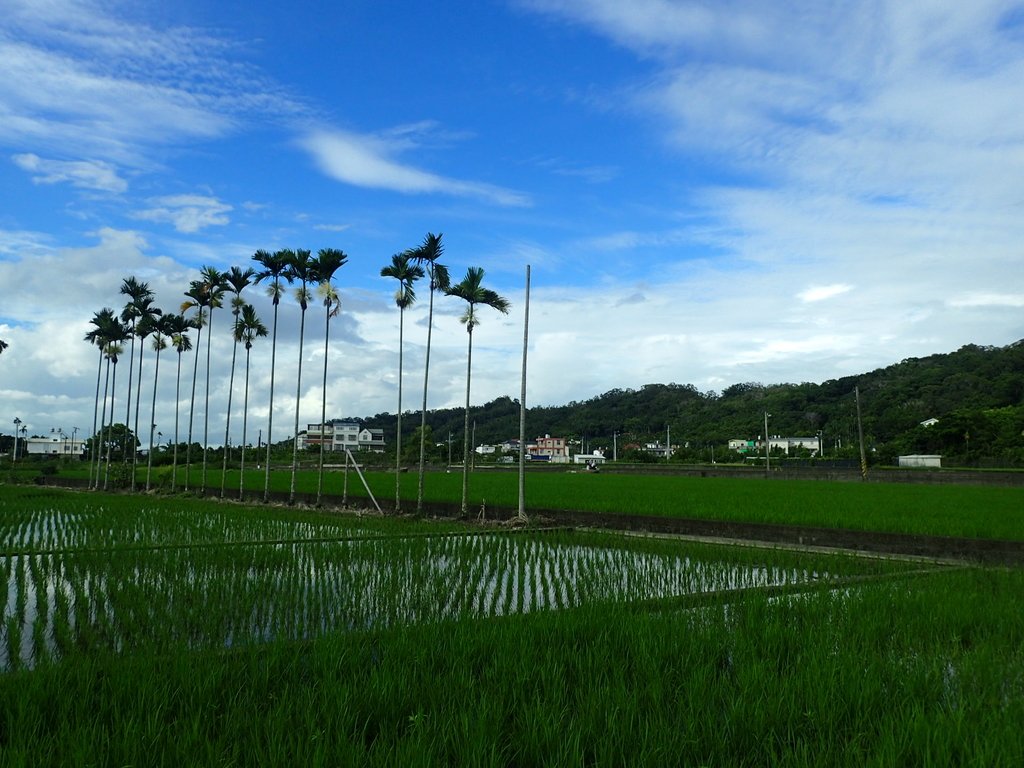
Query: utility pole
(860, 437)
(521, 514)
(767, 448)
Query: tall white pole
(522, 405)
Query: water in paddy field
(63, 603)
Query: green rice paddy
(168, 630)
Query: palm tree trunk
(128, 403)
(95, 414)
(423, 414)
(192, 402)
(206, 406)
(270, 418)
(323, 409)
(177, 407)
(138, 401)
(227, 421)
(152, 418)
(398, 427)
(110, 434)
(245, 424)
(103, 426)
(298, 394)
(465, 436)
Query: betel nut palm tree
(136, 292)
(406, 273)
(213, 280)
(248, 328)
(300, 269)
(139, 307)
(162, 330)
(119, 333)
(472, 291)
(235, 280)
(101, 323)
(146, 324)
(428, 255)
(198, 298)
(178, 327)
(274, 268)
(325, 264)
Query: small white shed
(920, 460)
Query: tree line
(976, 393)
(311, 278)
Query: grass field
(170, 631)
(967, 511)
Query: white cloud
(78, 80)
(368, 161)
(822, 292)
(188, 213)
(988, 300)
(84, 174)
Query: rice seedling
(207, 633)
(923, 671)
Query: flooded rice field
(60, 603)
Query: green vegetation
(966, 511)
(180, 631)
(976, 393)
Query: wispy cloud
(188, 213)
(84, 174)
(370, 161)
(988, 300)
(80, 81)
(822, 292)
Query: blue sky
(708, 193)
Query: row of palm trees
(312, 276)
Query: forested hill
(976, 393)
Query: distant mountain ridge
(976, 393)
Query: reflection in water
(85, 601)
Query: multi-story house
(371, 440)
(335, 435)
(549, 448)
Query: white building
(371, 440)
(597, 457)
(51, 446)
(549, 448)
(788, 444)
(920, 460)
(776, 443)
(342, 435)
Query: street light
(17, 424)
